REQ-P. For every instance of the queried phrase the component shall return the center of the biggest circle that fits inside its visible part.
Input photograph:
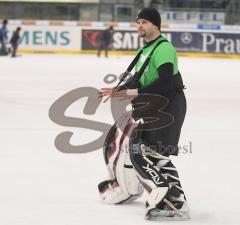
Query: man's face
(145, 28)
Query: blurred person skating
(15, 41)
(3, 38)
(156, 74)
(105, 41)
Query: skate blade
(157, 216)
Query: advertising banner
(122, 40)
(49, 38)
(193, 41)
(206, 42)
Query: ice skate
(174, 209)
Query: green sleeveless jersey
(164, 53)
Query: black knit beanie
(150, 14)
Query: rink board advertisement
(122, 40)
(193, 42)
(50, 38)
(206, 42)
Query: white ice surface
(39, 185)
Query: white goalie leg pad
(112, 193)
(156, 195)
(123, 185)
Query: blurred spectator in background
(105, 41)
(3, 38)
(15, 41)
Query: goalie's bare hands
(126, 94)
(112, 92)
(106, 92)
